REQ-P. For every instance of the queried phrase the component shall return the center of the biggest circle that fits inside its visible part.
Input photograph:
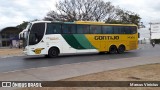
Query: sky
(148, 10)
(14, 12)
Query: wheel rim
(54, 53)
(113, 50)
(121, 49)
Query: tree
(22, 25)
(91, 10)
(126, 17)
(86, 10)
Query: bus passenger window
(116, 30)
(107, 30)
(82, 29)
(127, 30)
(69, 29)
(53, 28)
(95, 29)
(121, 30)
(133, 30)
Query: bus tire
(101, 53)
(121, 49)
(113, 49)
(53, 52)
(46, 56)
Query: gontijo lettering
(106, 37)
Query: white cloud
(14, 12)
(148, 10)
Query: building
(155, 31)
(9, 37)
(144, 35)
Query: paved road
(26, 62)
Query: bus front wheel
(121, 49)
(113, 49)
(53, 52)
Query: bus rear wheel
(121, 49)
(101, 53)
(53, 52)
(113, 49)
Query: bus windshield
(36, 33)
(24, 35)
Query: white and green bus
(54, 38)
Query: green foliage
(126, 17)
(91, 10)
(22, 25)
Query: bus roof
(102, 23)
(85, 22)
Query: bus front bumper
(25, 52)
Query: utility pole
(150, 31)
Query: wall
(8, 34)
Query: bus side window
(95, 29)
(104, 29)
(127, 30)
(107, 29)
(116, 30)
(121, 30)
(53, 28)
(82, 29)
(133, 30)
(69, 29)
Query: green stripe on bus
(83, 41)
(71, 40)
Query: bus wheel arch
(112, 49)
(53, 52)
(121, 49)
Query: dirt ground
(11, 52)
(138, 73)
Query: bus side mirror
(138, 35)
(29, 30)
(25, 35)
